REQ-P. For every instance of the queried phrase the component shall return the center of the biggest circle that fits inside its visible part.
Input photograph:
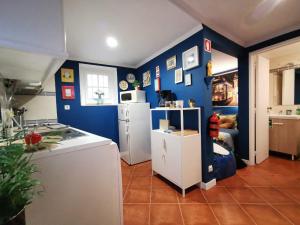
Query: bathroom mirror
(284, 87)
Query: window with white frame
(98, 85)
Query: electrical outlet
(210, 168)
(67, 107)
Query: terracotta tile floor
(266, 194)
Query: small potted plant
(17, 187)
(136, 84)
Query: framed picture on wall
(146, 79)
(188, 79)
(190, 58)
(178, 76)
(67, 75)
(67, 92)
(225, 89)
(171, 62)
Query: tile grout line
(237, 202)
(128, 185)
(268, 203)
(151, 183)
(180, 209)
(288, 195)
(209, 206)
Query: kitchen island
(81, 181)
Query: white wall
(42, 106)
(284, 60)
(222, 62)
(34, 23)
(281, 61)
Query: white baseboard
(208, 185)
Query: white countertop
(281, 116)
(75, 144)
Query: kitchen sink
(65, 133)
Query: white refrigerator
(134, 132)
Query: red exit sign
(207, 45)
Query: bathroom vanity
(284, 134)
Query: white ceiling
(145, 28)
(245, 21)
(222, 62)
(142, 27)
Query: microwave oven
(133, 96)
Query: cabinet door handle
(279, 124)
(164, 144)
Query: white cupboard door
(139, 141)
(172, 150)
(138, 112)
(124, 141)
(262, 101)
(158, 158)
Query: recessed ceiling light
(111, 42)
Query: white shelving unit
(177, 156)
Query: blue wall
(229, 47)
(198, 91)
(100, 120)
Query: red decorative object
(214, 126)
(68, 92)
(207, 45)
(33, 138)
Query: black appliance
(164, 96)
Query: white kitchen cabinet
(32, 39)
(177, 156)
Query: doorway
(269, 94)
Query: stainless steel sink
(65, 133)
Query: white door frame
(252, 61)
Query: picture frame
(68, 92)
(190, 58)
(67, 75)
(171, 62)
(188, 79)
(225, 89)
(178, 76)
(146, 78)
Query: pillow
(228, 121)
(227, 125)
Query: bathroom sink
(280, 116)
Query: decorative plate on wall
(130, 77)
(123, 85)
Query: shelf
(174, 109)
(208, 80)
(178, 133)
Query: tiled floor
(266, 194)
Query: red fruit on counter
(33, 138)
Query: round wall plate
(123, 85)
(130, 77)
